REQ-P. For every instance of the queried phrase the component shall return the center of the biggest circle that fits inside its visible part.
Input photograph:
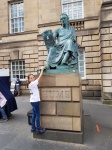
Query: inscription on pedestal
(56, 94)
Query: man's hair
(17, 76)
(63, 14)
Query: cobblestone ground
(15, 133)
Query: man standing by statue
(65, 52)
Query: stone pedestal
(61, 107)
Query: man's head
(64, 18)
(17, 76)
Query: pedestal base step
(63, 136)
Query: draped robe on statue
(66, 42)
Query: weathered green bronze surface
(63, 53)
(59, 70)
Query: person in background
(35, 102)
(2, 107)
(17, 85)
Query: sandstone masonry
(94, 35)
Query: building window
(16, 17)
(18, 68)
(81, 62)
(73, 8)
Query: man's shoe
(10, 116)
(5, 119)
(41, 130)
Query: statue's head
(64, 18)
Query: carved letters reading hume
(56, 94)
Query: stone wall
(94, 40)
(4, 15)
(49, 11)
(30, 15)
(106, 51)
(92, 7)
(22, 48)
(91, 87)
(31, 9)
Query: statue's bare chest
(63, 32)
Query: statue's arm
(55, 34)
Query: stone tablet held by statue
(48, 38)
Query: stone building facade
(23, 51)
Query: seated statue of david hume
(65, 52)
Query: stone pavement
(15, 133)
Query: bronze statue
(65, 52)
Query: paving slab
(15, 133)
(5, 139)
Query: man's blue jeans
(4, 116)
(35, 115)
